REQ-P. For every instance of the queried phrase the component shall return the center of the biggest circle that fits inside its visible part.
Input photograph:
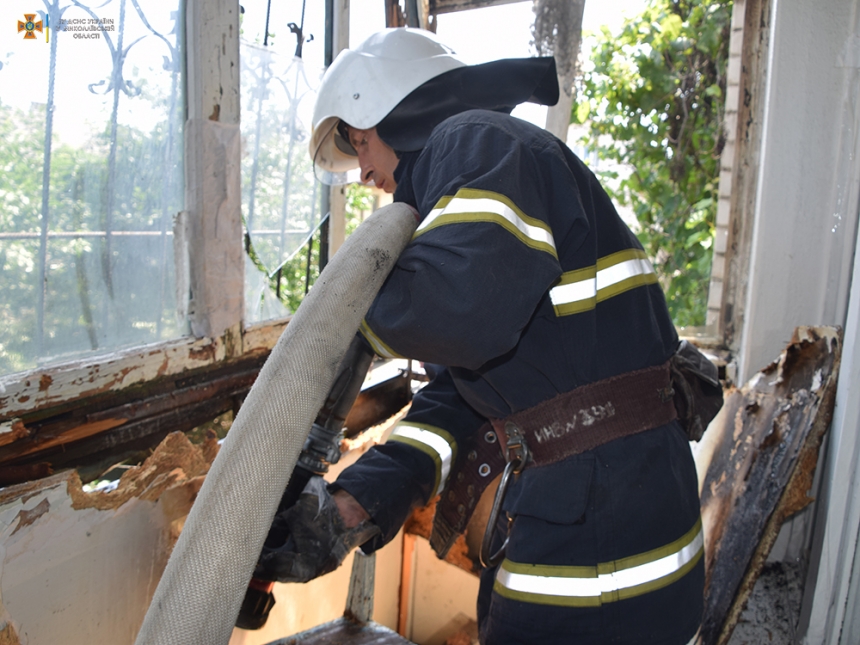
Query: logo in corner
(29, 25)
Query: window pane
(280, 195)
(281, 199)
(91, 150)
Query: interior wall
(80, 567)
(444, 598)
(831, 604)
(80, 575)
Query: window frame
(209, 256)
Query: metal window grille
(91, 145)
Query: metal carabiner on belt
(517, 457)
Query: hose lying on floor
(201, 590)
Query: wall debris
(87, 563)
(756, 465)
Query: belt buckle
(516, 449)
(517, 456)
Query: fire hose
(202, 588)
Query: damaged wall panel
(88, 420)
(81, 567)
(90, 415)
(102, 428)
(756, 466)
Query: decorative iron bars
(280, 195)
(91, 148)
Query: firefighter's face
(376, 158)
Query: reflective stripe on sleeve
(607, 582)
(380, 348)
(438, 444)
(470, 205)
(581, 290)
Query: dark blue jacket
(522, 279)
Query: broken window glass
(91, 142)
(280, 194)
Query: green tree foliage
(280, 197)
(653, 100)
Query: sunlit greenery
(652, 98)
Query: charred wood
(109, 428)
(377, 403)
(756, 466)
(96, 432)
(450, 6)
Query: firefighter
(525, 284)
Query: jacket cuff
(389, 481)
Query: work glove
(315, 539)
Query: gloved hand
(316, 542)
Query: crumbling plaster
(78, 567)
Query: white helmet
(364, 84)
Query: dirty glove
(316, 542)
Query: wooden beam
(208, 233)
(406, 584)
(359, 600)
(70, 385)
(747, 77)
(111, 426)
(558, 32)
(377, 402)
(450, 6)
(104, 426)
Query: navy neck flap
(499, 86)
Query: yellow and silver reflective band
(607, 582)
(380, 348)
(433, 441)
(581, 290)
(471, 205)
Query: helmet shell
(364, 84)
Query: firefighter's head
(376, 159)
(362, 86)
(390, 92)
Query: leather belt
(566, 425)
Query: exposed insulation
(175, 461)
(421, 522)
(8, 634)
